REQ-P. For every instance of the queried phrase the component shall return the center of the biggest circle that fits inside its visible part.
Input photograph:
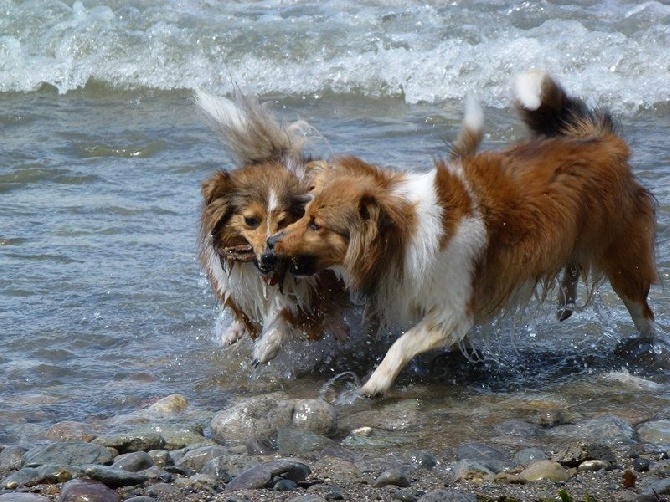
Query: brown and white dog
(243, 207)
(445, 249)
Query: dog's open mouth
(241, 252)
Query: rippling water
(102, 302)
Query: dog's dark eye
(313, 226)
(251, 221)
(282, 222)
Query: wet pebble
(285, 485)
(139, 440)
(70, 453)
(294, 441)
(606, 430)
(641, 464)
(447, 495)
(578, 452)
(657, 432)
(69, 430)
(194, 459)
(265, 416)
(12, 458)
(91, 491)
(528, 455)
(134, 462)
(485, 455)
(544, 470)
(115, 478)
(23, 497)
(261, 476)
(392, 477)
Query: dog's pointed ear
(216, 186)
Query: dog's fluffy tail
(472, 130)
(250, 132)
(549, 111)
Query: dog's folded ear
(216, 186)
(371, 210)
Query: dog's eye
(313, 226)
(251, 221)
(282, 222)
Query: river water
(103, 307)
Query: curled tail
(472, 130)
(549, 111)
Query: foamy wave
(617, 55)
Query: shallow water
(103, 305)
(105, 308)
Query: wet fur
(448, 248)
(244, 206)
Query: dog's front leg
(429, 334)
(276, 331)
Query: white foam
(615, 55)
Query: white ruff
(435, 281)
(262, 303)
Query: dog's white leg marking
(275, 332)
(425, 336)
(235, 331)
(642, 323)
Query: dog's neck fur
(413, 217)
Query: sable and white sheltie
(243, 207)
(445, 249)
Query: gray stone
(69, 430)
(447, 496)
(12, 458)
(195, 459)
(657, 432)
(405, 415)
(608, 430)
(392, 477)
(171, 405)
(528, 455)
(576, 453)
(28, 476)
(139, 440)
(90, 491)
(261, 476)
(115, 478)
(471, 470)
(494, 460)
(160, 458)
(641, 464)
(141, 498)
(23, 497)
(133, 462)
(661, 487)
(308, 498)
(294, 441)
(593, 465)
(285, 485)
(217, 469)
(265, 415)
(70, 453)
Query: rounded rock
(544, 469)
(23, 497)
(92, 491)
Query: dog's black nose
(268, 261)
(274, 240)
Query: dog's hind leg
(429, 334)
(567, 292)
(630, 269)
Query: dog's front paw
(267, 346)
(376, 386)
(235, 331)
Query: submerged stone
(70, 453)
